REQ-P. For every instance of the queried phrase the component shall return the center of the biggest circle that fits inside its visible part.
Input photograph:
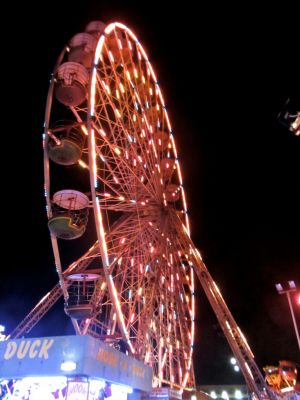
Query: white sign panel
(77, 390)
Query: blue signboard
(90, 357)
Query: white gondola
(69, 214)
(82, 47)
(71, 83)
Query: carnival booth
(69, 368)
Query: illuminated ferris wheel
(116, 187)
(113, 183)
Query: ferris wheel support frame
(234, 336)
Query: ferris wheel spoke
(118, 149)
(129, 116)
(112, 156)
(144, 139)
(173, 343)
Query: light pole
(292, 288)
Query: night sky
(225, 75)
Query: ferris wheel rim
(92, 162)
(45, 139)
(108, 264)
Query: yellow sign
(107, 357)
(138, 371)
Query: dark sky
(225, 74)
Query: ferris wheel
(117, 213)
(115, 197)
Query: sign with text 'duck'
(90, 357)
